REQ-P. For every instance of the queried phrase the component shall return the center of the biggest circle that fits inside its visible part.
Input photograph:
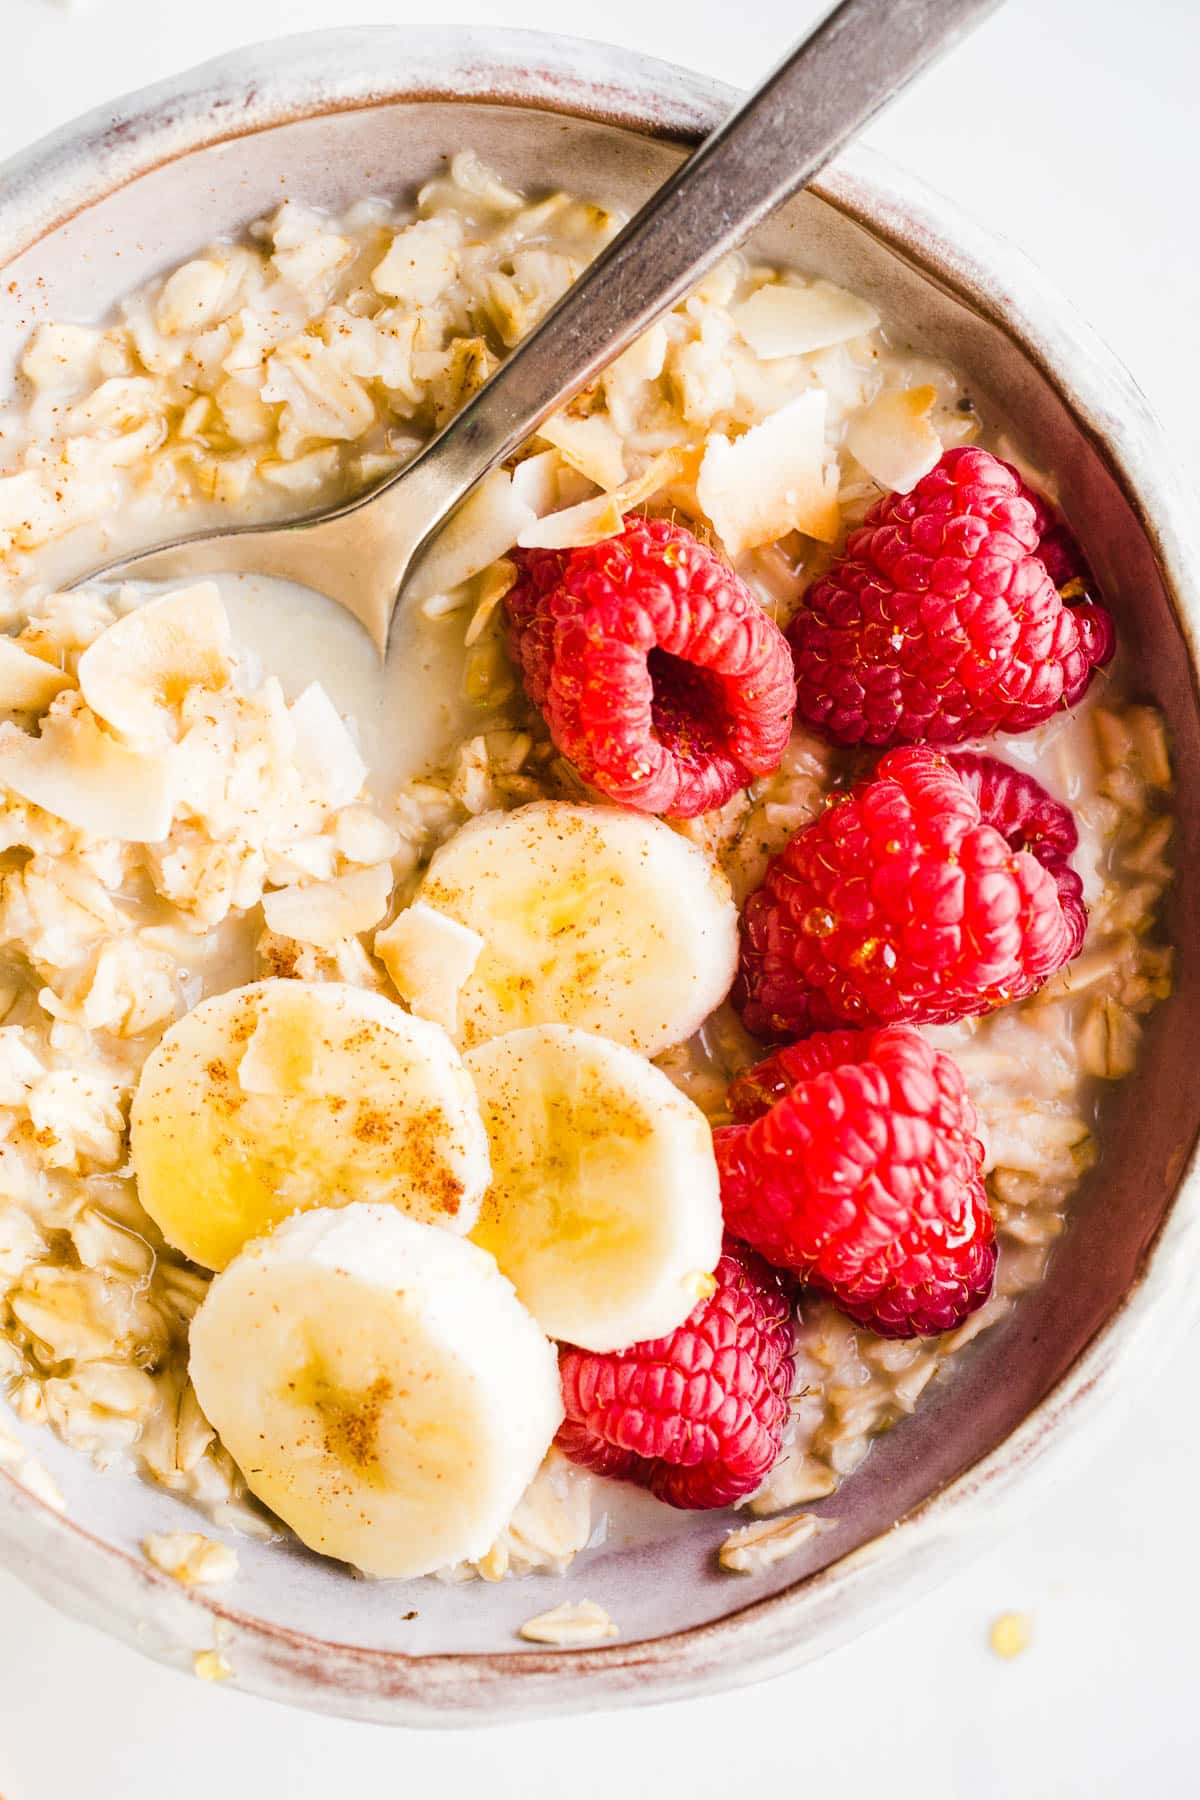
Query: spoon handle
(855, 60)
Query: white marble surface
(1065, 125)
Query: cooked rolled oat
(571, 1626)
(749, 1549)
(193, 1559)
(210, 1665)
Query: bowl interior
(672, 1583)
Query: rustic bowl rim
(266, 85)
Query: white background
(1066, 126)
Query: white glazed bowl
(132, 189)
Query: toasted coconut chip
(325, 753)
(535, 481)
(324, 912)
(593, 446)
(494, 584)
(138, 671)
(594, 520)
(791, 321)
(588, 523)
(76, 771)
(893, 439)
(572, 486)
(489, 522)
(774, 479)
(430, 958)
(27, 684)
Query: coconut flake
(572, 486)
(591, 521)
(535, 481)
(773, 479)
(893, 439)
(430, 959)
(325, 912)
(490, 521)
(27, 684)
(76, 771)
(325, 753)
(497, 581)
(592, 446)
(138, 671)
(643, 361)
(780, 320)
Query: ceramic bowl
(135, 187)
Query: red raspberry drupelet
(904, 901)
(943, 621)
(1058, 547)
(659, 675)
(696, 1417)
(1028, 818)
(855, 1164)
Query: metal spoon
(363, 552)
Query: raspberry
(1058, 547)
(696, 1417)
(1028, 818)
(903, 902)
(659, 675)
(856, 1166)
(941, 622)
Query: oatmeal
(361, 950)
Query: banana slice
(379, 1385)
(605, 1208)
(286, 1095)
(590, 916)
